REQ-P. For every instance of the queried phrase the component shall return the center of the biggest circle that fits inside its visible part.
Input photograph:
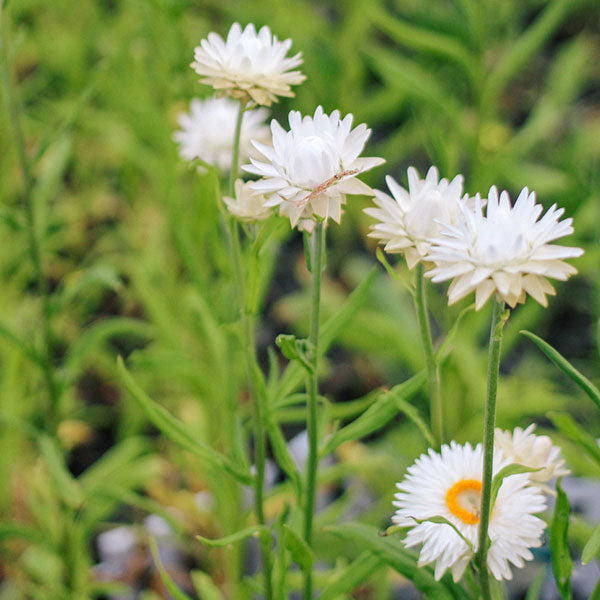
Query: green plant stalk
(258, 397)
(33, 244)
(436, 410)
(493, 371)
(312, 383)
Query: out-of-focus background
(507, 93)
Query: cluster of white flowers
(307, 171)
(505, 251)
(449, 484)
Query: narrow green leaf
(377, 415)
(359, 570)
(446, 346)
(238, 536)
(205, 586)
(423, 40)
(166, 578)
(566, 367)
(176, 430)
(16, 530)
(535, 588)
(443, 521)
(524, 47)
(562, 565)
(299, 549)
(512, 469)
(294, 373)
(22, 345)
(592, 548)
(392, 552)
(282, 455)
(596, 593)
(565, 423)
(66, 485)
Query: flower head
(507, 251)
(313, 166)
(207, 131)
(248, 65)
(522, 446)
(410, 218)
(449, 485)
(247, 204)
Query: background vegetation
(136, 264)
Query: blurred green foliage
(507, 93)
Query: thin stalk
(258, 398)
(316, 259)
(493, 370)
(33, 243)
(433, 369)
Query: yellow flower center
(463, 500)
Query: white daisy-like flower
(247, 204)
(313, 166)
(507, 251)
(522, 446)
(410, 218)
(449, 485)
(207, 131)
(248, 65)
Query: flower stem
(316, 259)
(253, 370)
(433, 370)
(498, 321)
(33, 243)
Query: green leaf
(392, 552)
(446, 346)
(22, 532)
(294, 372)
(205, 586)
(378, 414)
(176, 430)
(299, 549)
(562, 565)
(592, 548)
(294, 349)
(102, 276)
(535, 588)
(596, 593)
(22, 345)
(357, 572)
(282, 454)
(443, 521)
(566, 367)
(228, 540)
(512, 469)
(66, 485)
(565, 423)
(166, 578)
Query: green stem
(316, 259)
(493, 370)
(253, 371)
(34, 249)
(433, 369)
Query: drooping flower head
(310, 168)
(449, 485)
(247, 205)
(207, 131)
(408, 219)
(248, 65)
(507, 251)
(522, 446)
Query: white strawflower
(449, 486)
(247, 204)
(522, 446)
(506, 251)
(207, 131)
(248, 65)
(410, 218)
(313, 166)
